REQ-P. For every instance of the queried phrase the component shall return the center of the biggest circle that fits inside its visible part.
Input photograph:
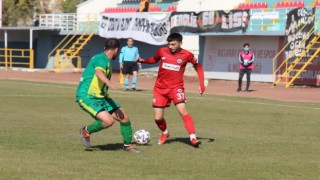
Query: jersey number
(180, 96)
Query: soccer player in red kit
(169, 85)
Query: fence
(18, 57)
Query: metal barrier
(11, 57)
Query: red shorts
(163, 97)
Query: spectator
(246, 58)
(36, 22)
(144, 6)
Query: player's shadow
(186, 140)
(108, 147)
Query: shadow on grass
(108, 147)
(186, 140)
(111, 147)
(119, 146)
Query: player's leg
(135, 69)
(125, 124)
(134, 80)
(241, 74)
(103, 119)
(188, 124)
(126, 81)
(178, 98)
(159, 103)
(248, 74)
(126, 73)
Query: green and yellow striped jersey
(90, 86)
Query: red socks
(162, 124)
(187, 120)
(188, 123)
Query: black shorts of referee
(129, 66)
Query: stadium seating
(154, 9)
(255, 5)
(172, 9)
(120, 9)
(289, 4)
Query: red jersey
(171, 67)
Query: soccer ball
(142, 136)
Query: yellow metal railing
(68, 50)
(10, 57)
(285, 61)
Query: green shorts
(94, 106)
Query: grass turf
(242, 138)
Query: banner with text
(209, 21)
(221, 56)
(152, 29)
(155, 28)
(296, 20)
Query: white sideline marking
(265, 104)
(148, 94)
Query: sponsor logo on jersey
(172, 67)
(163, 58)
(179, 61)
(179, 90)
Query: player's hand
(139, 60)
(202, 88)
(111, 85)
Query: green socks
(95, 127)
(125, 128)
(126, 131)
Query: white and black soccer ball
(142, 136)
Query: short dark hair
(112, 43)
(246, 44)
(175, 37)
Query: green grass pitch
(242, 138)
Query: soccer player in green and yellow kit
(92, 96)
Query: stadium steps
(301, 62)
(70, 51)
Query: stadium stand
(155, 6)
(154, 9)
(254, 5)
(290, 4)
(172, 9)
(120, 10)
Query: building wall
(221, 56)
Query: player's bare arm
(200, 73)
(104, 79)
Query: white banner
(221, 56)
(146, 27)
